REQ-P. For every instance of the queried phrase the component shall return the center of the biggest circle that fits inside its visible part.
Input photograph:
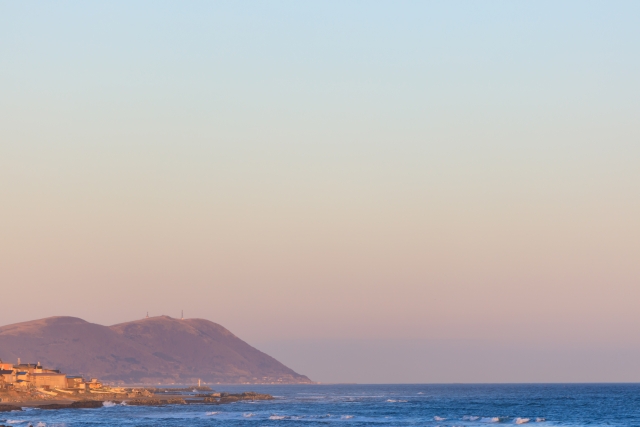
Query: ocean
(375, 405)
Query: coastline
(146, 397)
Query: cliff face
(154, 350)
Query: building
(25, 375)
(75, 382)
(94, 383)
(48, 380)
(22, 378)
(7, 376)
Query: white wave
(489, 420)
(346, 417)
(248, 415)
(108, 404)
(395, 401)
(277, 417)
(212, 413)
(540, 420)
(470, 418)
(437, 418)
(522, 420)
(15, 421)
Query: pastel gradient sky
(333, 181)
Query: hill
(152, 350)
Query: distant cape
(147, 351)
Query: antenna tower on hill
(182, 315)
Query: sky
(369, 191)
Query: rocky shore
(131, 397)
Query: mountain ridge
(146, 351)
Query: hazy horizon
(364, 190)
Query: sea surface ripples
(427, 405)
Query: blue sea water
(426, 405)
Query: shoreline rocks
(80, 404)
(211, 399)
(156, 402)
(144, 398)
